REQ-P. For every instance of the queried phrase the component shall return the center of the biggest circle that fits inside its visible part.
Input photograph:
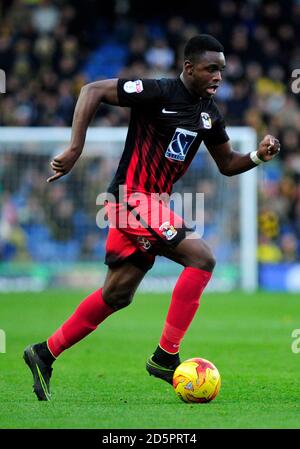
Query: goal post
(52, 230)
(248, 213)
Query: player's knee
(209, 263)
(118, 299)
(122, 301)
(204, 261)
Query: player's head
(203, 63)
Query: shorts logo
(206, 120)
(168, 230)
(144, 243)
(133, 87)
(180, 144)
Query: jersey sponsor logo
(144, 242)
(168, 230)
(180, 144)
(133, 87)
(164, 111)
(206, 120)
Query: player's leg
(195, 255)
(117, 292)
(167, 234)
(199, 262)
(127, 267)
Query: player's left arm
(232, 163)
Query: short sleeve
(217, 134)
(139, 92)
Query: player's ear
(189, 66)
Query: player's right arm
(89, 100)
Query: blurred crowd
(50, 224)
(49, 49)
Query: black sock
(165, 358)
(44, 353)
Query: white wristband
(254, 158)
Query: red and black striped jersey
(167, 125)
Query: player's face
(205, 75)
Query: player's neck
(188, 86)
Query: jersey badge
(133, 87)
(206, 120)
(180, 144)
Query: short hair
(199, 44)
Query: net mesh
(48, 232)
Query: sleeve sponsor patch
(133, 87)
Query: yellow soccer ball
(196, 380)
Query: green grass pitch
(102, 383)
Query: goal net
(48, 232)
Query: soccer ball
(196, 380)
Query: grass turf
(102, 383)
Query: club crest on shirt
(168, 230)
(133, 87)
(144, 242)
(180, 144)
(206, 120)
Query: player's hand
(268, 148)
(62, 164)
